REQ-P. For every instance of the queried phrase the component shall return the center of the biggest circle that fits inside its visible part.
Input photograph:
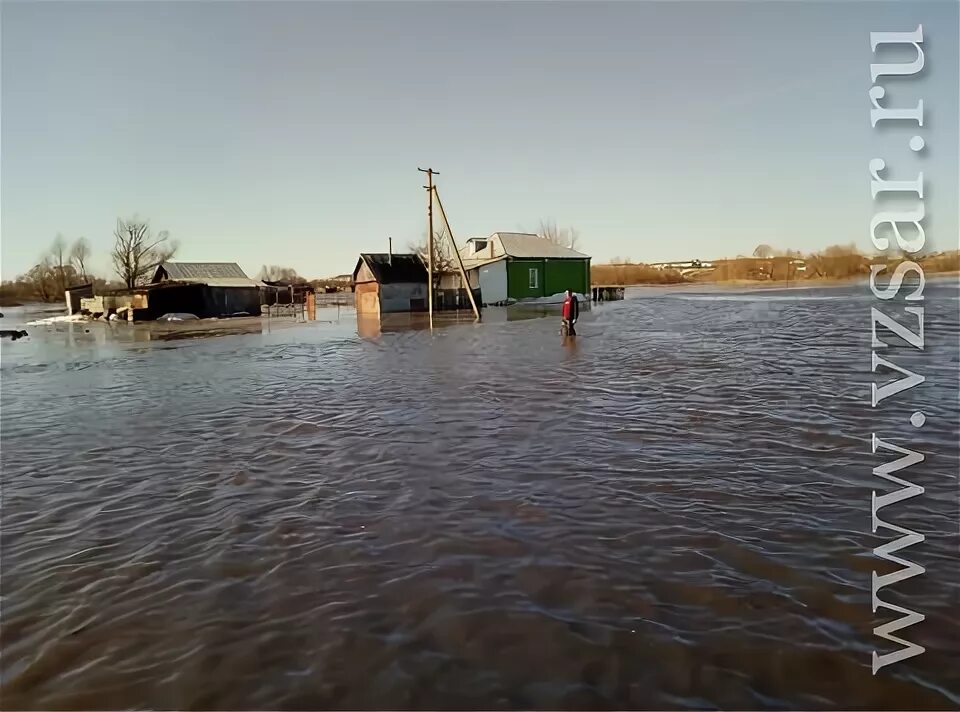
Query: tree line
(767, 263)
(135, 255)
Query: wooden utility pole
(429, 187)
(463, 272)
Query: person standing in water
(571, 312)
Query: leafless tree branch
(135, 251)
(444, 260)
(79, 254)
(565, 237)
(276, 273)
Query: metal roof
(521, 244)
(212, 274)
(394, 269)
(525, 244)
(199, 270)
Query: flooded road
(673, 511)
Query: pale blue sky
(290, 133)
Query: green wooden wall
(518, 279)
(567, 274)
(553, 277)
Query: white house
(514, 265)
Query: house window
(534, 278)
(479, 245)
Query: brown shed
(385, 283)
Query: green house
(514, 265)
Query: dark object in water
(13, 334)
(97, 315)
(1, 316)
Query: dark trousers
(568, 325)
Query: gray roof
(393, 268)
(523, 244)
(213, 274)
(199, 270)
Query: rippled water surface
(671, 512)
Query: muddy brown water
(673, 511)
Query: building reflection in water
(372, 326)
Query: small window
(534, 278)
(479, 245)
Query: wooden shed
(386, 283)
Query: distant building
(683, 267)
(513, 265)
(689, 265)
(283, 291)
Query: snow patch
(57, 319)
(553, 299)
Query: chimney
(390, 251)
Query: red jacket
(571, 308)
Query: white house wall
(493, 282)
(493, 249)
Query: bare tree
(43, 279)
(444, 260)
(443, 257)
(275, 273)
(59, 259)
(764, 252)
(79, 254)
(841, 250)
(565, 237)
(137, 252)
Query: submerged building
(384, 283)
(517, 266)
(388, 283)
(205, 289)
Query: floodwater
(671, 511)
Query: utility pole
(463, 272)
(429, 187)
